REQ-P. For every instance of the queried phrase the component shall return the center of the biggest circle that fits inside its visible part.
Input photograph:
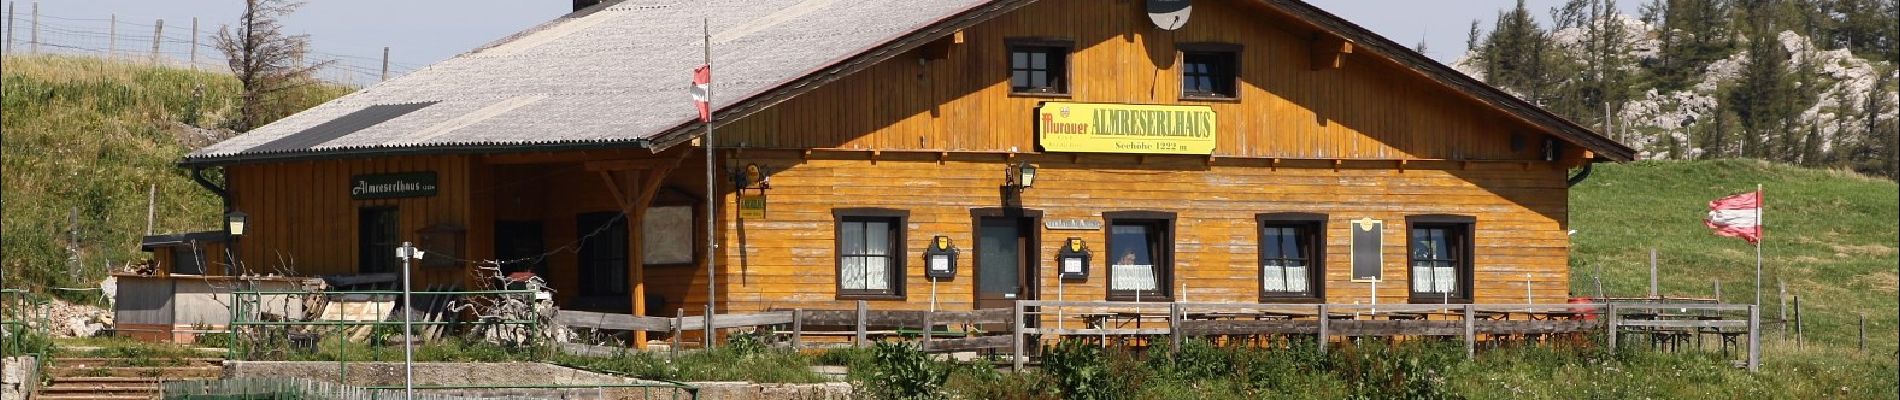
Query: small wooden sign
(1072, 224)
(390, 186)
(1368, 241)
(752, 206)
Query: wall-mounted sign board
(1368, 240)
(752, 206)
(1125, 128)
(391, 186)
(1072, 224)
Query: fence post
(1754, 338)
(858, 341)
(1174, 327)
(158, 32)
(1781, 295)
(1863, 332)
(112, 36)
(1609, 321)
(1471, 337)
(1799, 340)
(385, 63)
(1325, 337)
(10, 24)
(930, 324)
(798, 328)
(194, 43)
(35, 33)
(1653, 293)
(1016, 338)
(679, 327)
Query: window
(1039, 66)
(1209, 70)
(870, 253)
(1292, 250)
(603, 254)
(189, 260)
(377, 239)
(1440, 258)
(1141, 255)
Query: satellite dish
(1169, 14)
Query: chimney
(580, 4)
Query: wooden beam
(624, 165)
(1329, 52)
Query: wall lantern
(940, 260)
(1023, 175)
(1073, 258)
(234, 222)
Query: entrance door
(518, 240)
(1005, 260)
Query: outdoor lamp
(1026, 174)
(234, 222)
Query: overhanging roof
(615, 75)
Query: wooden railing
(1035, 322)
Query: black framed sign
(1368, 238)
(390, 186)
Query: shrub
(904, 372)
(1382, 370)
(1079, 370)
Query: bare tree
(265, 59)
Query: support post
(1754, 338)
(1016, 338)
(1325, 333)
(863, 313)
(408, 336)
(158, 32)
(930, 324)
(1174, 327)
(194, 43)
(709, 327)
(798, 328)
(1471, 337)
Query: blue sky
(420, 32)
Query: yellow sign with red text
(1125, 128)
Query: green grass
(1830, 236)
(90, 135)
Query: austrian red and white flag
(702, 91)
(1737, 216)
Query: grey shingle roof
(617, 75)
(613, 73)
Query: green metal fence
(23, 329)
(303, 389)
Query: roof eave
(360, 152)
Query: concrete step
(63, 371)
(96, 397)
(127, 362)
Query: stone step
(117, 380)
(62, 371)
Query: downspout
(1581, 175)
(224, 195)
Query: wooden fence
(1135, 323)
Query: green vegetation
(1830, 237)
(92, 136)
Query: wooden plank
(1685, 323)
(585, 319)
(966, 344)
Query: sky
(421, 32)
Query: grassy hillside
(1830, 236)
(92, 135)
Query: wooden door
(1005, 261)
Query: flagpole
(712, 205)
(1761, 234)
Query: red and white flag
(1737, 216)
(702, 91)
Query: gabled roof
(615, 75)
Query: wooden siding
(1370, 108)
(789, 256)
(303, 221)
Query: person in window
(1128, 258)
